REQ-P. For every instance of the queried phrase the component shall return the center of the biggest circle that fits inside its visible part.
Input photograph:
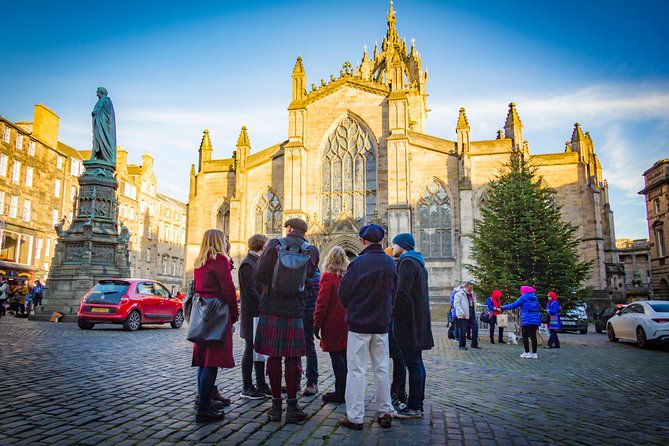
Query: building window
(59, 162)
(348, 169)
(56, 189)
(132, 213)
(6, 134)
(31, 148)
(15, 247)
(26, 209)
(29, 176)
(75, 167)
(2, 202)
(4, 161)
(167, 233)
(47, 250)
(54, 216)
(73, 193)
(659, 241)
(38, 248)
(148, 254)
(167, 213)
(656, 205)
(19, 142)
(268, 214)
(16, 173)
(434, 222)
(13, 206)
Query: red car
(131, 302)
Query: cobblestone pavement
(65, 386)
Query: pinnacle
(243, 139)
(206, 142)
(577, 134)
(512, 119)
(299, 67)
(463, 123)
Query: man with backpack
(366, 291)
(283, 270)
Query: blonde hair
(214, 242)
(336, 261)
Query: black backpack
(290, 269)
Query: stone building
(634, 255)
(656, 191)
(38, 188)
(356, 151)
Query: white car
(644, 322)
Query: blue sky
(176, 68)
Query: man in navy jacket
(366, 291)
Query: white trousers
(360, 348)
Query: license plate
(100, 310)
(565, 322)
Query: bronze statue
(104, 129)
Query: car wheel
(611, 333)
(85, 325)
(583, 331)
(133, 322)
(178, 320)
(641, 339)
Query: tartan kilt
(280, 336)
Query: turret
(578, 142)
(205, 150)
(462, 129)
(513, 129)
(299, 81)
(243, 148)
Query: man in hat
(280, 331)
(366, 291)
(412, 320)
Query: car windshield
(660, 308)
(107, 292)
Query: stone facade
(38, 188)
(634, 255)
(157, 223)
(656, 191)
(356, 152)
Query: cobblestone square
(65, 386)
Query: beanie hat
(526, 289)
(552, 295)
(405, 240)
(372, 233)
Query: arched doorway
(350, 244)
(662, 292)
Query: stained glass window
(348, 168)
(434, 222)
(268, 215)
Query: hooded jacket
(411, 311)
(495, 301)
(529, 311)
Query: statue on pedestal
(104, 129)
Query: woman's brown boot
(294, 413)
(274, 413)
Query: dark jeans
(493, 322)
(474, 325)
(462, 331)
(2, 307)
(340, 370)
(312, 357)
(530, 333)
(206, 378)
(553, 340)
(259, 366)
(399, 383)
(21, 308)
(414, 363)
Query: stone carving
(74, 253)
(59, 228)
(88, 228)
(104, 129)
(102, 254)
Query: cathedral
(357, 152)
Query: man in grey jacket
(464, 302)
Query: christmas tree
(521, 239)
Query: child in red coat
(329, 321)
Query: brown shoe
(344, 421)
(385, 421)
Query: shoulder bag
(209, 320)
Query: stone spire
(391, 35)
(463, 123)
(513, 128)
(578, 141)
(243, 139)
(462, 130)
(243, 148)
(205, 150)
(299, 80)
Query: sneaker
(408, 413)
(265, 390)
(310, 390)
(526, 355)
(251, 393)
(534, 356)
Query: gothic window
(268, 215)
(348, 168)
(434, 222)
(223, 218)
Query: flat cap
(372, 233)
(296, 223)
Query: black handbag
(208, 320)
(188, 301)
(545, 318)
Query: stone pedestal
(92, 247)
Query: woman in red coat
(213, 280)
(329, 320)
